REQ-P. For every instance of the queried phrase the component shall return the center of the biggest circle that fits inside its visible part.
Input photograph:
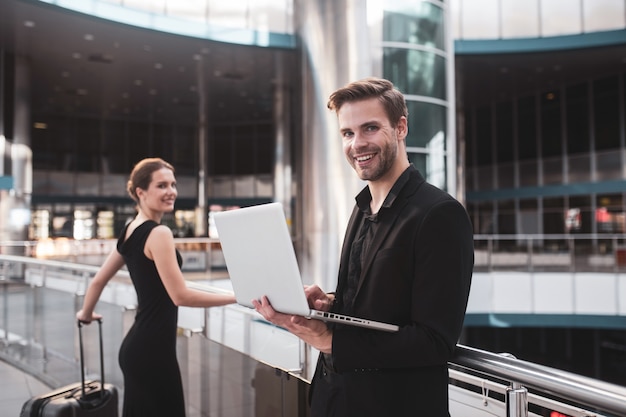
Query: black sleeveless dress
(152, 382)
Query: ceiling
(91, 67)
(498, 77)
(85, 66)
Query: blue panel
(6, 183)
(603, 187)
(553, 43)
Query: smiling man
(407, 259)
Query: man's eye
(348, 134)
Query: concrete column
(336, 49)
(282, 134)
(202, 211)
(22, 118)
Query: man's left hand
(311, 331)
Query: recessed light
(89, 37)
(158, 65)
(138, 82)
(76, 55)
(29, 23)
(40, 125)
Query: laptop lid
(261, 260)
(260, 257)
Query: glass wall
(503, 19)
(416, 59)
(550, 162)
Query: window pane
(484, 136)
(485, 178)
(528, 174)
(554, 215)
(553, 171)
(422, 25)
(504, 132)
(606, 113)
(600, 15)
(506, 210)
(560, 17)
(432, 166)
(579, 168)
(577, 119)
(419, 160)
(195, 10)
(610, 164)
(426, 123)
(551, 143)
(506, 176)
(480, 21)
(416, 72)
(519, 19)
(526, 131)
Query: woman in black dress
(152, 381)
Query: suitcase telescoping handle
(82, 357)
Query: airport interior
(517, 109)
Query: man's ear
(402, 128)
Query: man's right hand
(318, 299)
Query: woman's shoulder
(160, 234)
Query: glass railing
(551, 253)
(524, 252)
(235, 363)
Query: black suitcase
(85, 398)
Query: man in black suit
(407, 259)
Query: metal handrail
(588, 392)
(579, 390)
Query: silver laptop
(261, 260)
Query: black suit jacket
(417, 275)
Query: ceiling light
(88, 37)
(158, 65)
(40, 125)
(138, 82)
(76, 55)
(29, 23)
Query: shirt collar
(364, 197)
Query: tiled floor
(16, 387)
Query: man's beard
(386, 159)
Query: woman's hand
(83, 318)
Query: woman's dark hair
(141, 175)
(392, 100)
